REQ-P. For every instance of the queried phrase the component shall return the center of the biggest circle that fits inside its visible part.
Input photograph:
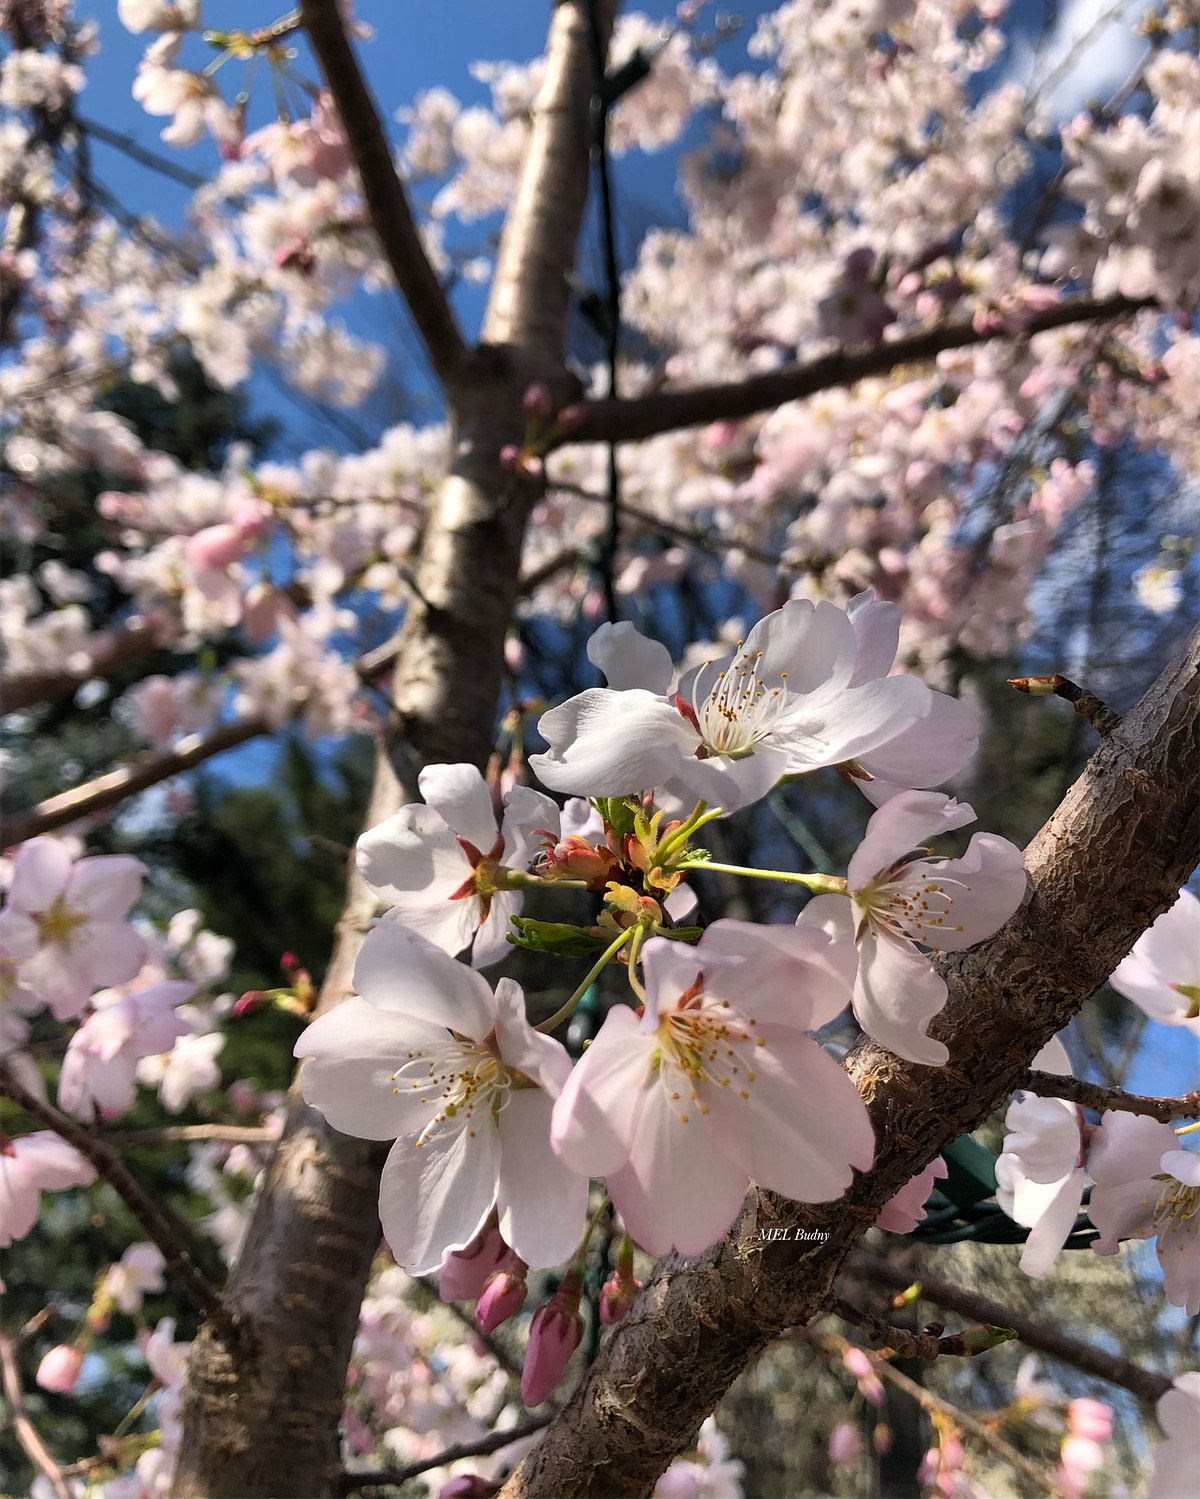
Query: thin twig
(383, 192)
(171, 1134)
(669, 410)
(23, 1428)
(378, 1477)
(150, 1214)
(1085, 703)
(502, 1357)
(1097, 1096)
(927, 1344)
(872, 1270)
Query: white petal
(491, 940)
(896, 996)
(994, 870)
(358, 1095)
(448, 924)
(401, 971)
(527, 814)
(809, 980)
(40, 872)
(1053, 1058)
(612, 743)
(413, 858)
(836, 723)
(1043, 1133)
(832, 914)
(928, 751)
(628, 659)
(876, 635)
(461, 795)
(813, 643)
(901, 825)
(596, 1115)
(542, 1202)
(540, 1058)
(435, 1197)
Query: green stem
(593, 973)
(822, 884)
(631, 963)
(519, 879)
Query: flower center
(1178, 1205)
(740, 710)
(1190, 992)
(907, 901)
(58, 923)
(459, 1080)
(704, 1046)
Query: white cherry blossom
(1162, 973)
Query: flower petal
(629, 659)
(596, 1115)
(876, 635)
(105, 886)
(612, 743)
(927, 752)
(993, 873)
(491, 939)
(403, 972)
(460, 794)
(40, 873)
(896, 996)
(413, 858)
(436, 1196)
(809, 981)
(901, 825)
(542, 1202)
(542, 1059)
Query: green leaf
(555, 937)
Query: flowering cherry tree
(870, 381)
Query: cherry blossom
(896, 903)
(59, 1368)
(439, 868)
(784, 703)
(430, 1057)
(1147, 1187)
(903, 1212)
(1162, 973)
(30, 1165)
(99, 1069)
(1176, 1459)
(63, 922)
(139, 1270)
(718, 1083)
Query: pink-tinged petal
(837, 724)
(629, 659)
(928, 752)
(814, 644)
(1124, 1211)
(681, 904)
(87, 1085)
(413, 859)
(596, 1116)
(107, 952)
(1044, 1134)
(672, 968)
(542, 1059)
(611, 743)
(831, 914)
(1177, 1460)
(542, 1202)
(803, 1124)
(901, 825)
(105, 886)
(18, 1201)
(1184, 1166)
(679, 1190)
(1128, 1147)
(460, 794)
(896, 995)
(158, 1026)
(491, 939)
(107, 1030)
(993, 873)
(1053, 1226)
(55, 1164)
(436, 1196)
(1179, 1256)
(19, 936)
(56, 981)
(403, 972)
(814, 985)
(902, 1213)
(40, 873)
(876, 636)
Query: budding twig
(1097, 1096)
(1085, 703)
(930, 1343)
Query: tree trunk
(261, 1410)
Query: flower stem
(602, 962)
(822, 884)
(698, 818)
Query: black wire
(612, 299)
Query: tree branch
(22, 1423)
(378, 1477)
(1112, 857)
(873, 1270)
(383, 192)
(668, 410)
(1097, 1096)
(174, 1134)
(151, 1216)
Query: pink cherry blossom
(718, 1083)
(430, 1057)
(439, 866)
(896, 903)
(1146, 1187)
(30, 1165)
(904, 1211)
(100, 1066)
(1162, 973)
(139, 1270)
(63, 921)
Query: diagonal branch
(1112, 857)
(1144, 1383)
(668, 410)
(1097, 1096)
(383, 192)
(153, 1218)
(22, 1424)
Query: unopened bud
(538, 402)
(59, 1369)
(503, 1296)
(554, 1335)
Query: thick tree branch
(22, 1423)
(873, 1270)
(152, 1217)
(1097, 1096)
(387, 202)
(1111, 858)
(668, 410)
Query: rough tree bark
(1111, 858)
(261, 1409)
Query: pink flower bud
(215, 547)
(503, 1296)
(845, 1444)
(1090, 1418)
(469, 1486)
(554, 1335)
(572, 416)
(59, 1369)
(509, 454)
(616, 1297)
(538, 402)
(465, 1272)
